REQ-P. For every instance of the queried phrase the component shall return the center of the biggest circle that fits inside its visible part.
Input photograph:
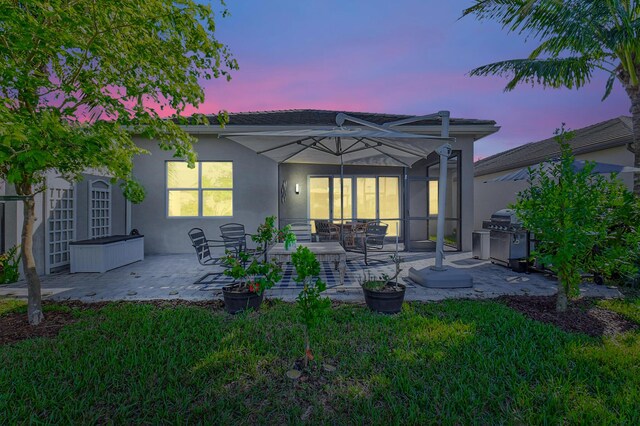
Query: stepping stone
(294, 374)
(516, 279)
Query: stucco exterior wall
(255, 194)
(493, 196)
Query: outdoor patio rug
(355, 270)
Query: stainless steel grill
(509, 240)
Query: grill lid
(505, 216)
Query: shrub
(9, 264)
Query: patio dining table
(349, 231)
(330, 251)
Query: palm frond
(608, 86)
(570, 72)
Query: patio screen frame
(457, 155)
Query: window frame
(199, 189)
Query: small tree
(312, 306)
(571, 214)
(78, 78)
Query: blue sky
(403, 56)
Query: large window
(364, 198)
(204, 191)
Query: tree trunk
(561, 299)
(633, 91)
(635, 119)
(307, 349)
(34, 303)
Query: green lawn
(451, 362)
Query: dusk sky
(404, 57)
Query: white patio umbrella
(601, 168)
(375, 145)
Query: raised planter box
(104, 254)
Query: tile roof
(315, 117)
(607, 134)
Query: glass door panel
(389, 203)
(318, 199)
(366, 198)
(347, 199)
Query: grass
(450, 362)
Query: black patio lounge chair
(372, 240)
(204, 248)
(235, 239)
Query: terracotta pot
(386, 302)
(237, 301)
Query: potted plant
(268, 234)
(383, 293)
(251, 279)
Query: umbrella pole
(445, 152)
(341, 197)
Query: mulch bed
(581, 316)
(15, 327)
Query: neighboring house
(608, 142)
(232, 183)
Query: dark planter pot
(386, 302)
(237, 301)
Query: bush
(581, 220)
(9, 264)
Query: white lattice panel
(60, 225)
(100, 209)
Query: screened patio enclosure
(369, 173)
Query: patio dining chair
(372, 240)
(327, 231)
(205, 252)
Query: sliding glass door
(363, 198)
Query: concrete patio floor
(173, 277)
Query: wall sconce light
(297, 188)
